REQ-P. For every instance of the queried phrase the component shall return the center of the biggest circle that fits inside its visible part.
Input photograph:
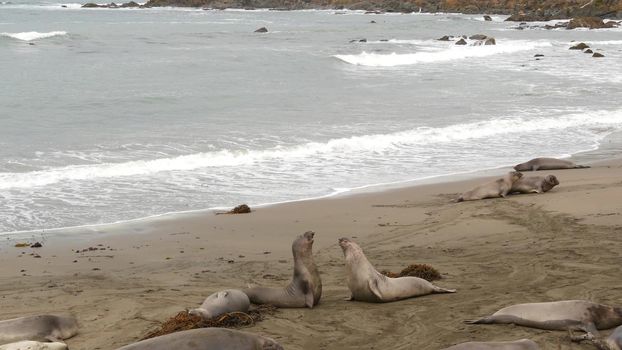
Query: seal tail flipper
(459, 199)
(485, 320)
(443, 290)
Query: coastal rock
(538, 55)
(90, 5)
(130, 4)
(590, 22)
(461, 42)
(444, 38)
(487, 18)
(490, 41)
(588, 51)
(596, 54)
(528, 17)
(558, 25)
(262, 30)
(478, 37)
(579, 46)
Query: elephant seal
(612, 342)
(367, 284)
(206, 338)
(498, 188)
(523, 344)
(38, 328)
(547, 164)
(305, 289)
(219, 303)
(537, 184)
(558, 315)
(34, 345)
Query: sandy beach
(564, 244)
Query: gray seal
(222, 302)
(305, 288)
(206, 338)
(534, 184)
(547, 164)
(367, 284)
(34, 345)
(612, 342)
(523, 344)
(38, 328)
(558, 315)
(495, 189)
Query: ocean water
(116, 114)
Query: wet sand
(565, 244)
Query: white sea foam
(29, 36)
(597, 121)
(453, 53)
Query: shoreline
(120, 282)
(587, 156)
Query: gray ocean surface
(115, 114)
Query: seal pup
(523, 344)
(498, 188)
(612, 342)
(367, 284)
(207, 338)
(534, 184)
(39, 328)
(305, 289)
(34, 345)
(222, 302)
(547, 164)
(558, 315)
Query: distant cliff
(541, 9)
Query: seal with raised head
(34, 345)
(305, 289)
(38, 328)
(367, 284)
(534, 184)
(558, 315)
(548, 164)
(222, 302)
(498, 188)
(523, 344)
(207, 338)
(612, 342)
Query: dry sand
(565, 244)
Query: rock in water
(262, 30)
(590, 22)
(579, 46)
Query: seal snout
(343, 242)
(309, 236)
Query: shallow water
(116, 114)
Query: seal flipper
(589, 328)
(309, 300)
(485, 320)
(438, 289)
(374, 288)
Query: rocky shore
(521, 10)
